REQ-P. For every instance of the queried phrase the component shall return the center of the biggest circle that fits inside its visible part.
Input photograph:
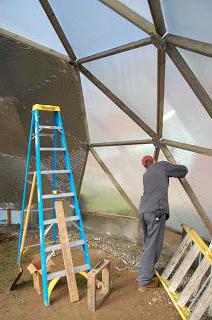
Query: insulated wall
(29, 76)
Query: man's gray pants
(153, 229)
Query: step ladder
(193, 297)
(37, 131)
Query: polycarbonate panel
(27, 18)
(201, 66)
(199, 176)
(182, 210)
(185, 119)
(139, 6)
(106, 121)
(98, 193)
(190, 18)
(132, 76)
(92, 27)
(125, 164)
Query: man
(154, 211)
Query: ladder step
(72, 244)
(60, 195)
(62, 273)
(49, 127)
(52, 149)
(44, 210)
(67, 219)
(51, 171)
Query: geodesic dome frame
(169, 46)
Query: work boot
(154, 283)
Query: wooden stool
(97, 296)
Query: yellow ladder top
(45, 107)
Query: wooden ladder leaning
(194, 298)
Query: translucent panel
(181, 207)
(27, 18)
(185, 119)
(125, 164)
(105, 120)
(201, 66)
(92, 27)
(139, 6)
(199, 176)
(132, 76)
(98, 193)
(190, 18)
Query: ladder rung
(52, 149)
(50, 221)
(62, 273)
(46, 135)
(49, 127)
(60, 195)
(72, 244)
(51, 171)
(44, 210)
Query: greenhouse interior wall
(109, 106)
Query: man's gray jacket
(156, 183)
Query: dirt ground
(124, 302)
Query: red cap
(147, 160)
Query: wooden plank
(202, 305)
(66, 251)
(192, 45)
(26, 221)
(9, 217)
(176, 257)
(56, 25)
(120, 49)
(186, 186)
(130, 15)
(194, 282)
(157, 16)
(190, 77)
(114, 181)
(183, 268)
(117, 101)
(186, 146)
(160, 91)
(120, 143)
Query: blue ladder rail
(58, 133)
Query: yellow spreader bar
(206, 251)
(53, 283)
(184, 313)
(45, 107)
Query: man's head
(147, 160)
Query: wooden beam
(119, 143)
(185, 146)
(186, 186)
(130, 15)
(58, 29)
(120, 49)
(83, 172)
(196, 46)
(33, 45)
(156, 153)
(79, 92)
(114, 181)
(117, 101)
(157, 16)
(160, 91)
(66, 252)
(110, 216)
(190, 77)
